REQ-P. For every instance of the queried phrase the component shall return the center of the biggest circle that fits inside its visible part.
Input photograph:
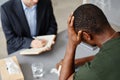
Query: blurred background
(62, 9)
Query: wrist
(72, 44)
(71, 48)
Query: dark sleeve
(52, 22)
(85, 73)
(14, 42)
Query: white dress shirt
(30, 13)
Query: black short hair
(90, 18)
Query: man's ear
(86, 36)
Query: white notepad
(35, 51)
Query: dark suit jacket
(16, 28)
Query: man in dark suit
(24, 19)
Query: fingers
(57, 66)
(70, 19)
(53, 42)
(43, 41)
(79, 35)
(38, 43)
(49, 48)
(59, 63)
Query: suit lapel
(20, 13)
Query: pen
(36, 38)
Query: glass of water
(37, 69)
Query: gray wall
(2, 1)
(111, 9)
